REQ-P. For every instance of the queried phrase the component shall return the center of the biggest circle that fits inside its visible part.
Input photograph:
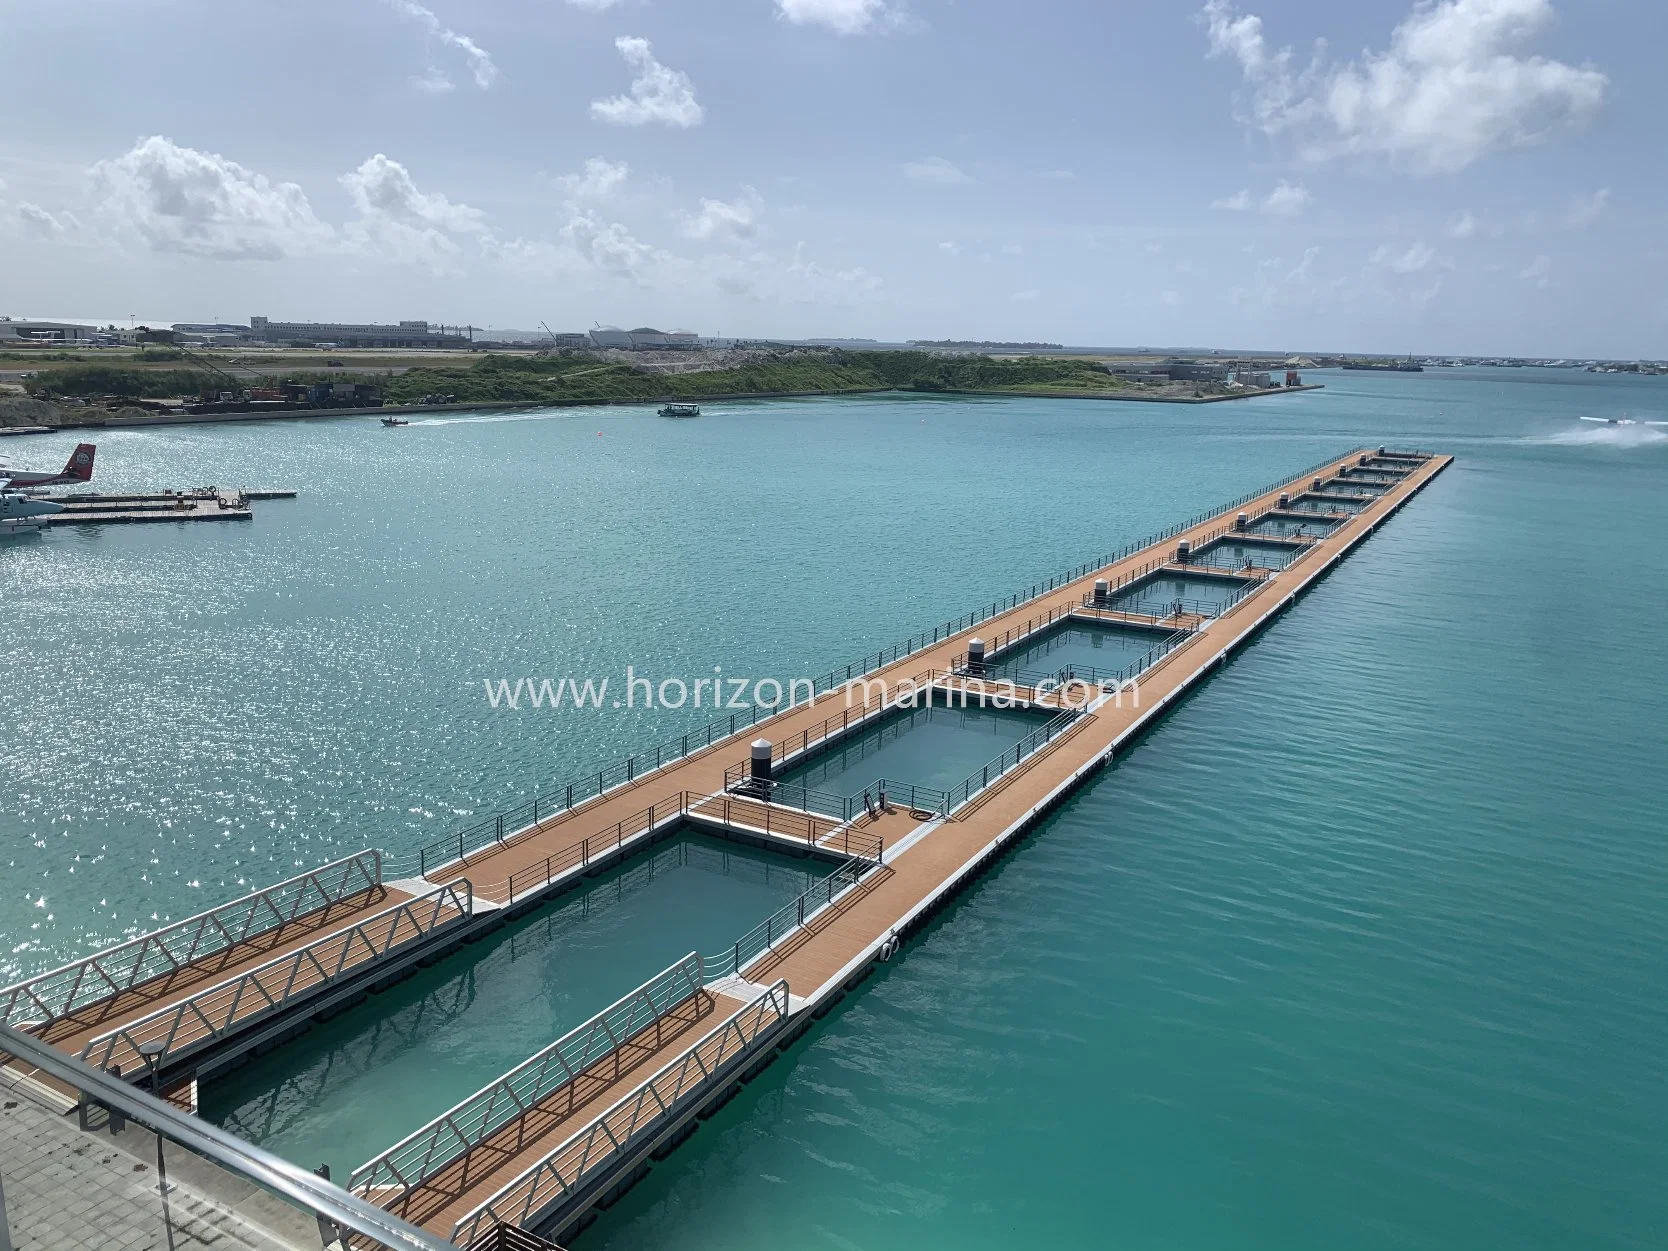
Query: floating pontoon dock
(542, 1146)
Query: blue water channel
(1081, 645)
(1289, 527)
(1385, 976)
(356, 1084)
(1234, 553)
(1197, 591)
(934, 746)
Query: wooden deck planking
(347, 948)
(73, 1030)
(825, 950)
(438, 1203)
(703, 772)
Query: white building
(55, 332)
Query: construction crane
(238, 386)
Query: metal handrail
(454, 1133)
(589, 786)
(1337, 497)
(1104, 678)
(1026, 747)
(562, 1172)
(733, 809)
(117, 970)
(219, 1011)
(293, 1184)
(538, 876)
(792, 916)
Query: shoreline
(391, 410)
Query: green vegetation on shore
(578, 377)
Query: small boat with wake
(681, 410)
(395, 421)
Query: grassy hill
(579, 377)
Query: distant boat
(681, 410)
(395, 421)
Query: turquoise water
(1288, 526)
(1229, 554)
(1363, 947)
(930, 746)
(360, 1082)
(1155, 593)
(1332, 504)
(1083, 646)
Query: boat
(681, 410)
(395, 421)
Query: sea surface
(1364, 947)
(346, 1090)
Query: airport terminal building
(407, 334)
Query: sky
(1465, 176)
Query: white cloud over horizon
(401, 222)
(435, 80)
(726, 219)
(177, 199)
(1453, 86)
(845, 17)
(658, 93)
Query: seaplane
(1623, 421)
(21, 513)
(79, 468)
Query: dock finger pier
(904, 777)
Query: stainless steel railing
(185, 1136)
(177, 1030)
(532, 1195)
(122, 968)
(455, 1132)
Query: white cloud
(399, 221)
(480, 63)
(815, 282)
(201, 204)
(1538, 272)
(1013, 249)
(1287, 199)
(1236, 203)
(726, 219)
(433, 81)
(1028, 296)
(1276, 285)
(1452, 87)
(611, 247)
(38, 222)
(595, 6)
(658, 94)
(1463, 226)
(1587, 209)
(847, 17)
(768, 278)
(589, 245)
(950, 246)
(935, 169)
(1411, 260)
(1170, 298)
(598, 180)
